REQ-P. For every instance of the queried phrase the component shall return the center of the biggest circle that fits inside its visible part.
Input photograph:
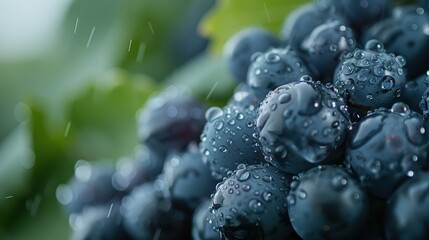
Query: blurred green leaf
(102, 120)
(153, 37)
(101, 124)
(207, 77)
(230, 16)
(16, 160)
(44, 221)
(33, 159)
(95, 35)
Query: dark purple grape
(229, 139)
(413, 91)
(251, 204)
(301, 22)
(361, 13)
(91, 185)
(274, 68)
(327, 203)
(188, 178)
(145, 166)
(99, 223)
(405, 34)
(170, 121)
(324, 46)
(387, 147)
(201, 227)
(148, 214)
(242, 45)
(406, 214)
(302, 125)
(370, 77)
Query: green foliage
(207, 77)
(102, 120)
(230, 16)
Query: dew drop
(213, 113)
(389, 64)
(305, 78)
(356, 196)
(401, 60)
(267, 178)
(339, 182)
(218, 125)
(347, 68)
(291, 200)
(302, 194)
(401, 108)
(378, 71)
(223, 149)
(284, 98)
(363, 63)
(273, 107)
(398, 93)
(244, 176)
(363, 75)
(335, 124)
(272, 57)
(287, 113)
(374, 45)
(375, 167)
(267, 196)
(256, 206)
(387, 83)
(218, 200)
(294, 185)
(359, 55)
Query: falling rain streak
(157, 234)
(151, 27)
(75, 26)
(267, 12)
(67, 129)
(90, 37)
(35, 205)
(212, 90)
(141, 51)
(129, 45)
(110, 210)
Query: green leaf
(32, 160)
(102, 120)
(16, 160)
(207, 77)
(45, 220)
(230, 16)
(151, 41)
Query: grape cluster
(326, 136)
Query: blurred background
(73, 74)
